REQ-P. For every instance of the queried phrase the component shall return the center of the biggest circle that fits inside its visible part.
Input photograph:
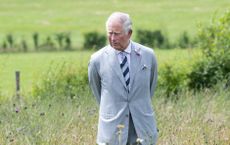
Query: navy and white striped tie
(125, 69)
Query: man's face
(117, 37)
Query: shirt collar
(127, 50)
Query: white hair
(124, 19)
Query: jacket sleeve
(154, 75)
(94, 80)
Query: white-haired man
(123, 77)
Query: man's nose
(113, 37)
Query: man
(123, 77)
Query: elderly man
(123, 77)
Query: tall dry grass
(192, 118)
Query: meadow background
(46, 115)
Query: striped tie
(125, 69)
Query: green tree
(215, 42)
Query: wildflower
(119, 133)
(17, 110)
(139, 140)
(120, 126)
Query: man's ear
(130, 32)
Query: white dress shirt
(120, 54)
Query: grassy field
(24, 17)
(201, 119)
(33, 65)
(195, 118)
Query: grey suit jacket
(114, 99)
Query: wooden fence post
(17, 74)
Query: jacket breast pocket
(145, 71)
(143, 75)
(145, 67)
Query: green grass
(195, 118)
(23, 17)
(33, 65)
(200, 118)
(54, 121)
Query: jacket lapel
(135, 61)
(114, 64)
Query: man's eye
(114, 33)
